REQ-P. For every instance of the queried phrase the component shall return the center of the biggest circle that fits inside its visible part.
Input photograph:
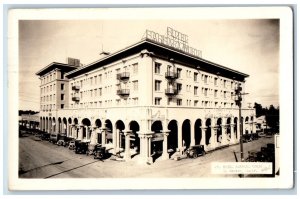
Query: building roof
(164, 52)
(54, 65)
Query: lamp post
(238, 100)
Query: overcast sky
(249, 46)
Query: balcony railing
(76, 99)
(123, 92)
(75, 87)
(171, 75)
(171, 91)
(123, 76)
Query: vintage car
(195, 151)
(99, 152)
(81, 147)
(71, 145)
(45, 136)
(53, 138)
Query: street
(41, 159)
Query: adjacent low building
(150, 96)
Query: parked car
(81, 147)
(53, 138)
(195, 151)
(99, 152)
(71, 145)
(45, 136)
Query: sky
(249, 46)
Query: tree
(259, 109)
(272, 118)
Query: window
(169, 100)
(100, 91)
(231, 85)
(135, 85)
(195, 77)
(179, 87)
(205, 92)
(62, 87)
(61, 75)
(100, 78)
(216, 93)
(95, 92)
(62, 106)
(179, 102)
(224, 94)
(91, 91)
(135, 101)
(135, 68)
(195, 90)
(179, 72)
(91, 80)
(157, 100)
(195, 102)
(216, 104)
(62, 96)
(80, 83)
(205, 79)
(157, 68)
(157, 85)
(216, 81)
(118, 102)
(224, 83)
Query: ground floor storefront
(143, 132)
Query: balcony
(123, 76)
(75, 87)
(76, 99)
(123, 92)
(171, 91)
(171, 75)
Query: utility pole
(238, 101)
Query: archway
(53, 125)
(208, 131)
(135, 141)
(98, 124)
(86, 131)
(64, 130)
(198, 131)
(219, 130)
(186, 133)
(109, 131)
(121, 137)
(235, 127)
(173, 135)
(59, 125)
(228, 127)
(76, 127)
(46, 125)
(157, 141)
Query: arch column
(179, 130)
(165, 154)
(103, 136)
(203, 137)
(80, 134)
(127, 155)
(232, 137)
(192, 130)
(115, 140)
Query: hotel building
(146, 97)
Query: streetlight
(238, 100)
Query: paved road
(41, 159)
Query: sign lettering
(174, 39)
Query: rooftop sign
(174, 39)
